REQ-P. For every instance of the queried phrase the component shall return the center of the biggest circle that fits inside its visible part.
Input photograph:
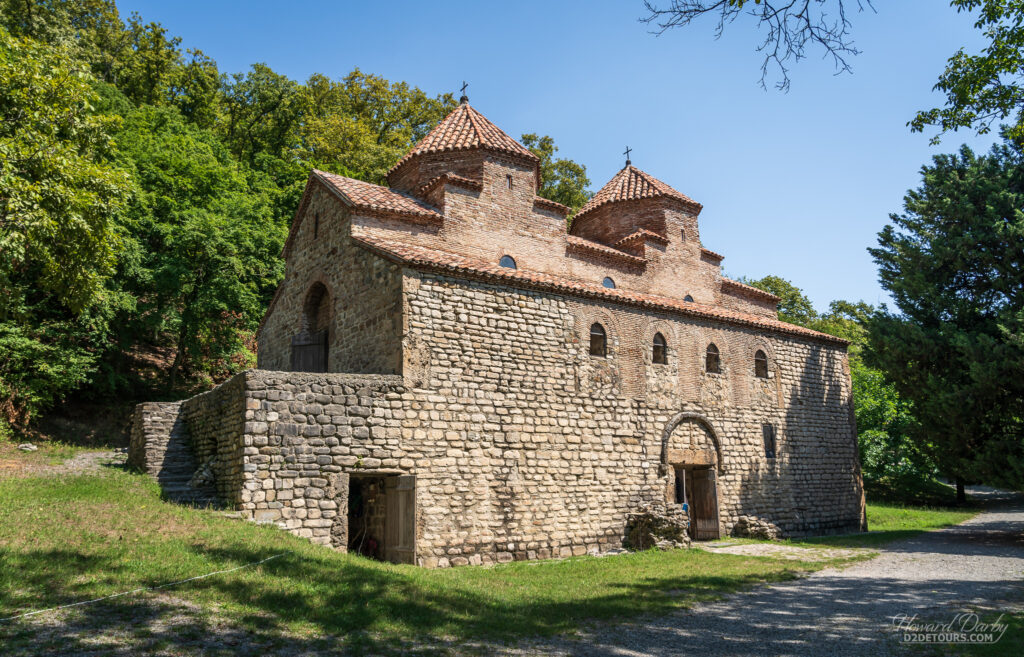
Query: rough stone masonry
(449, 376)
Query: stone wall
(523, 445)
(364, 305)
(153, 424)
(217, 425)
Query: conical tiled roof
(462, 129)
(631, 184)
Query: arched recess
(678, 419)
(316, 309)
(310, 345)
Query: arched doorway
(691, 457)
(310, 344)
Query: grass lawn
(67, 539)
(889, 522)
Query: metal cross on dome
(628, 151)
(464, 99)
(464, 85)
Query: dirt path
(976, 566)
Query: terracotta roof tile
(711, 254)
(641, 234)
(367, 196)
(631, 184)
(750, 290)
(449, 178)
(453, 264)
(551, 205)
(465, 128)
(607, 251)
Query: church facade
(448, 375)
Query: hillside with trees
(145, 196)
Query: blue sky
(794, 184)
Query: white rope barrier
(145, 588)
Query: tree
(206, 240)
(562, 180)
(363, 124)
(986, 88)
(793, 26)
(954, 264)
(60, 194)
(794, 306)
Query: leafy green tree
(363, 124)
(794, 306)
(207, 243)
(985, 88)
(60, 195)
(59, 192)
(954, 264)
(562, 180)
(262, 113)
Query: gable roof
(366, 197)
(376, 198)
(631, 184)
(462, 129)
(422, 257)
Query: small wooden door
(703, 495)
(309, 352)
(400, 519)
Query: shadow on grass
(296, 604)
(346, 604)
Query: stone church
(447, 375)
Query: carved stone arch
(705, 424)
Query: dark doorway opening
(696, 486)
(382, 517)
(366, 509)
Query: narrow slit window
(768, 432)
(659, 354)
(598, 341)
(508, 180)
(316, 225)
(713, 361)
(760, 365)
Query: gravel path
(975, 566)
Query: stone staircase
(160, 446)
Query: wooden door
(400, 519)
(703, 496)
(309, 352)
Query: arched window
(660, 353)
(760, 365)
(598, 341)
(688, 298)
(507, 261)
(608, 282)
(712, 362)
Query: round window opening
(507, 261)
(608, 283)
